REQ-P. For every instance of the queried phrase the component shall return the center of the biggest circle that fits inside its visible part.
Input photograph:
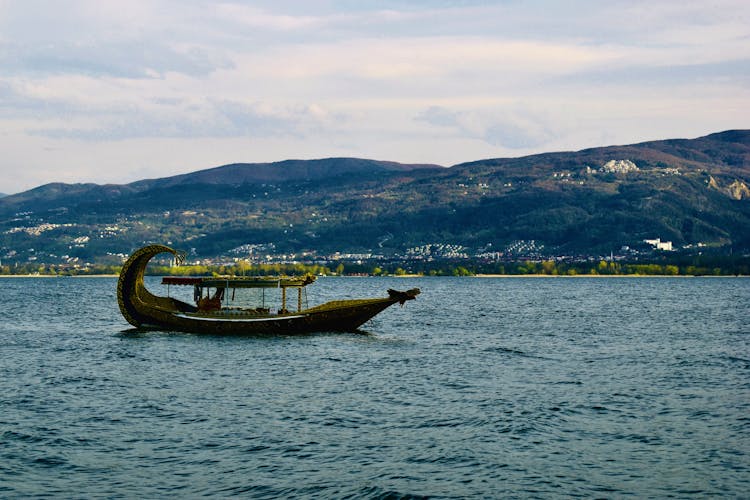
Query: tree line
(688, 266)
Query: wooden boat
(212, 313)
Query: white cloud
(271, 80)
(205, 118)
(510, 127)
(255, 18)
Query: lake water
(479, 388)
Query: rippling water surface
(479, 388)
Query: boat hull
(143, 309)
(341, 319)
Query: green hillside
(688, 191)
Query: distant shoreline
(484, 276)
(59, 276)
(608, 276)
(591, 276)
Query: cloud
(514, 128)
(205, 118)
(256, 18)
(132, 59)
(435, 81)
(663, 75)
(515, 133)
(133, 40)
(441, 117)
(401, 58)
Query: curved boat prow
(132, 295)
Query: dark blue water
(479, 388)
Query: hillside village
(612, 204)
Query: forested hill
(688, 191)
(234, 175)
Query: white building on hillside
(660, 245)
(619, 167)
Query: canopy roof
(241, 281)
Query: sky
(112, 92)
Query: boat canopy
(241, 282)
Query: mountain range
(688, 191)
